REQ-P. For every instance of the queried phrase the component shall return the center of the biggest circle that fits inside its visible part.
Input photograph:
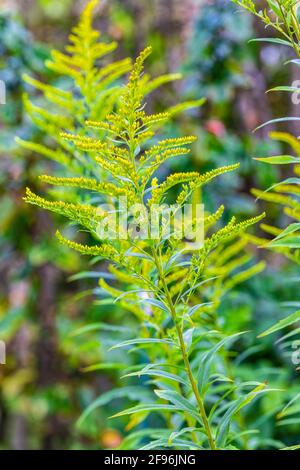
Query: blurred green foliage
(39, 410)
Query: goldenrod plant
(90, 88)
(172, 284)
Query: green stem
(186, 361)
(239, 416)
(195, 388)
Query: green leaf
(288, 242)
(179, 401)
(130, 292)
(148, 407)
(273, 121)
(289, 422)
(207, 358)
(294, 332)
(290, 320)
(293, 61)
(132, 393)
(279, 159)
(237, 405)
(296, 447)
(103, 366)
(291, 89)
(195, 308)
(282, 183)
(289, 409)
(177, 443)
(273, 41)
(131, 342)
(90, 275)
(198, 284)
(102, 327)
(275, 8)
(285, 239)
(290, 229)
(138, 255)
(156, 303)
(176, 434)
(158, 373)
(131, 441)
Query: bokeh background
(43, 387)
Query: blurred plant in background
(36, 384)
(31, 291)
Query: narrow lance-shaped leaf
(285, 322)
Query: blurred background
(43, 388)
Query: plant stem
(185, 356)
(195, 388)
